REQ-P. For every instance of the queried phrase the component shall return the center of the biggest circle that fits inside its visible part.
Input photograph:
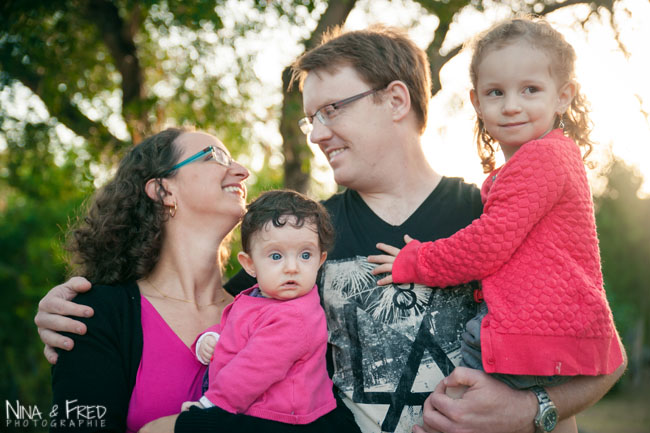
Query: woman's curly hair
(540, 35)
(120, 237)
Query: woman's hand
(50, 318)
(386, 261)
(160, 425)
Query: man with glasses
(366, 96)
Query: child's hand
(206, 348)
(386, 260)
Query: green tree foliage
(38, 195)
(623, 221)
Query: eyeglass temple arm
(190, 159)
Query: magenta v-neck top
(169, 373)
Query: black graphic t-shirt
(391, 345)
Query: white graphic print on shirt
(391, 345)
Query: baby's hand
(206, 348)
(386, 260)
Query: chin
(342, 179)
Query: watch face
(549, 420)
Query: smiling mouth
(335, 152)
(234, 189)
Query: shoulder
(336, 202)
(555, 147)
(457, 192)
(458, 185)
(297, 309)
(116, 307)
(106, 297)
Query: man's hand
(488, 406)
(50, 318)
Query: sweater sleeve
(282, 339)
(527, 187)
(91, 384)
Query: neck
(402, 188)
(189, 266)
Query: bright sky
(616, 86)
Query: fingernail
(66, 344)
(79, 330)
(87, 313)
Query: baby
(267, 356)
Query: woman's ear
(400, 99)
(154, 186)
(246, 262)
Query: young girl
(267, 356)
(535, 247)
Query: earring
(172, 210)
(561, 124)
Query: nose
(290, 265)
(319, 133)
(511, 104)
(238, 170)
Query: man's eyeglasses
(214, 153)
(327, 113)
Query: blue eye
(305, 255)
(495, 92)
(276, 256)
(531, 89)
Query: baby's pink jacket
(535, 249)
(270, 359)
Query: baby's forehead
(288, 229)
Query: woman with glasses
(151, 243)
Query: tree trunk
(297, 154)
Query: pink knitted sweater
(270, 360)
(535, 250)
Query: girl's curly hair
(539, 34)
(120, 237)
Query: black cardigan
(100, 372)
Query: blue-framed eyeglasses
(214, 153)
(327, 113)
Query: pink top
(536, 251)
(168, 375)
(270, 359)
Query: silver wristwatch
(546, 418)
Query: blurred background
(81, 81)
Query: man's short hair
(380, 55)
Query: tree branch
(118, 36)
(59, 105)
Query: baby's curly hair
(540, 35)
(120, 237)
(277, 207)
